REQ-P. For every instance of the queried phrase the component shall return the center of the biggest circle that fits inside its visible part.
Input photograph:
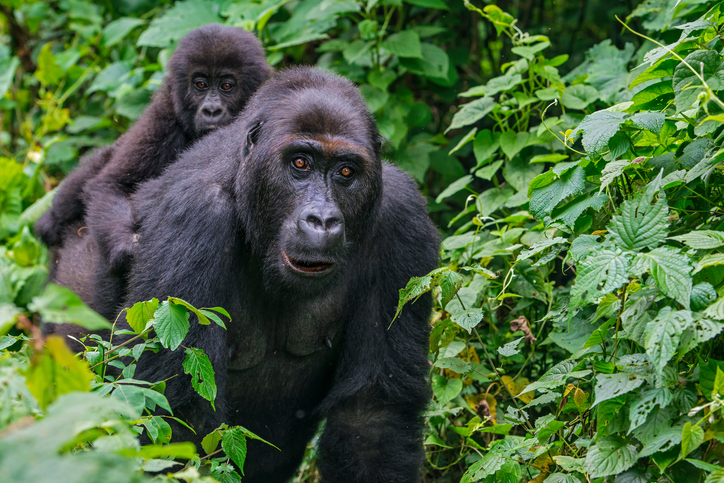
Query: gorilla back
(289, 219)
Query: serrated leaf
(611, 455)
(611, 171)
(640, 225)
(598, 128)
(701, 239)
(599, 274)
(702, 295)
(233, 442)
(415, 288)
(716, 310)
(687, 86)
(540, 246)
(198, 365)
(670, 269)
(543, 200)
(172, 324)
(653, 121)
(644, 403)
(510, 349)
(662, 335)
(715, 259)
(449, 282)
(454, 364)
(609, 386)
(468, 319)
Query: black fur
(212, 229)
(180, 112)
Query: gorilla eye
(226, 86)
(301, 163)
(346, 172)
(201, 84)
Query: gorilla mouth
(308, 267)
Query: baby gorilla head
(311, 175)
(213, 73)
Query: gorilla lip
(304, 267)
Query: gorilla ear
(253, 135)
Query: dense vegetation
(573, 161)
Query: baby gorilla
(212, 75)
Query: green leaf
(468, 319)
(413, 290)
(210, 315)
(454, 364)
(60, 305)
(662, 335)
(472, 112)
(132, 396)
(611, 455)
(701, 239)
(403, 44)
(32, 213)
(708, 370)
(528, 52)
(653, 121)
(234, 444)
(172, 324)
(117, 30)
(691, 438)
(465, 140)
(446, 389)
(429, 4)
(7, 73)
(579, 96)
(454, 187)
(653, 97)
(670, 269)
(713, 260)
(48, 71)
(687, 85)
(139, 315)
(449, 282)
(640, 225)
(179, 20)
(198, 365)
(644, 403)
(544, 200)
(511, 348)
(512, 142)
(598, 128)
(600, 273)
(609, 386)
(485, 146)
(211, 441)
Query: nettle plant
(93, 406)
(599, 244)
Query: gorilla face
(214, 71)
(312, 178)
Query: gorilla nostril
(211, 113)
(314, 221)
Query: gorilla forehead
(216, 49)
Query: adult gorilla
(212, 75)
(289, 220)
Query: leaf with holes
(670, 269)
(610, 456)
(644, 403)
(609, 386)
(468, 319)
(414, 289)
(198, 365)
(601, 272)
(663, 334)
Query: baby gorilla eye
(346, 172)
(201, 84)
(226, 86)
(301, 163)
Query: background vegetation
(572, 159)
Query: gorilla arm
(374, 424)
(68, 203)
(144, 151)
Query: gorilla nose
(212, 113)
(322, 226)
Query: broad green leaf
(117, 30)
(687, 85)
(611, 455)
(413, 290)
(691, 438)
(640, 225)
(211, 441)
(570, 212)
(510, 349)
(403, 44)
(544, 200)
(600, 273)
(502, 83)
(7, 73)
(465, 140)
(485, 146)
(644, 403)
(708, 370)
(493, 198)
(429, 4)
(60, 305)
(172, 324)
(664, 440)
(528, 52)
(139, 315)
(701, 239)
(579, 96)
(234, 443)
(32, 213)
(472, 112)
(662, 335)
(454, 364)
(197, 364)
(611, 171)
(155, 397)
(653, 121)
(670, 269)
(511, 142)
(716, 310)
(446, 389)
(449, 282)
(468, 319)
(702, 295)
(598, 128)
(454, 187)
(132, 396)
(713, 260)
(540, 246)
(178, 21)
(609, 386)
(653, 97)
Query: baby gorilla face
(213, 95)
